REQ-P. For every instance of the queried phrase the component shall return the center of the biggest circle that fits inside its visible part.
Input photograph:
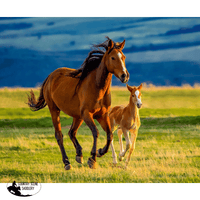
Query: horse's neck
(103, 78)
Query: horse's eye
(112, 58)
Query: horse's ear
(110, 44)
(121, 45)
(129, 88)
(140, 87)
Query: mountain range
(160, 51)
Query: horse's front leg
(104, 121)
(88, 118)
(72, 134)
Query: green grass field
(167, 147)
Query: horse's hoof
(79, 159)
(92, 164)
(98, 153)
(68, 167)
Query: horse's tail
(37, 104)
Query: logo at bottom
(23, 189)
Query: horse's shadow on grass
(146, 122)
(117, 166)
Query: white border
(99, 8)
(97, 191)
(105, 8)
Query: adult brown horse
(83, 94)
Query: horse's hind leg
(72, 134)
(55, 115)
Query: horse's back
(61, 73)
(60, 78)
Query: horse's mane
(92, 61)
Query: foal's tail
(37, 104)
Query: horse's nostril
(123, 76)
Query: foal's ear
(140, 87)
(110, 44)
(129, 88)
(121, 45)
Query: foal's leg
(114, 155)
(128, 142)
(88, 118)
(105, 124)
(72, 134)
(133, 140)
(113, 128)
(55, 115)
(119, 133)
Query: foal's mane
(92, 61)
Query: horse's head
(115, 60)
(135, 95)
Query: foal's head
(115, 60)
(136, 95)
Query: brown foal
(126, 119)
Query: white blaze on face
(137, 94)
(123, 66)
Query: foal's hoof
(68, 167)
(121, 158)
(92, 164)
(114, 164)
(79, 159)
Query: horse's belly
(69, 109)
(68, 105)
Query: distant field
(153, 97)
(157, 102)
(167, 148)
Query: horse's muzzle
(124, 78)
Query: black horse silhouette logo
(26, 189)
(14, 189)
